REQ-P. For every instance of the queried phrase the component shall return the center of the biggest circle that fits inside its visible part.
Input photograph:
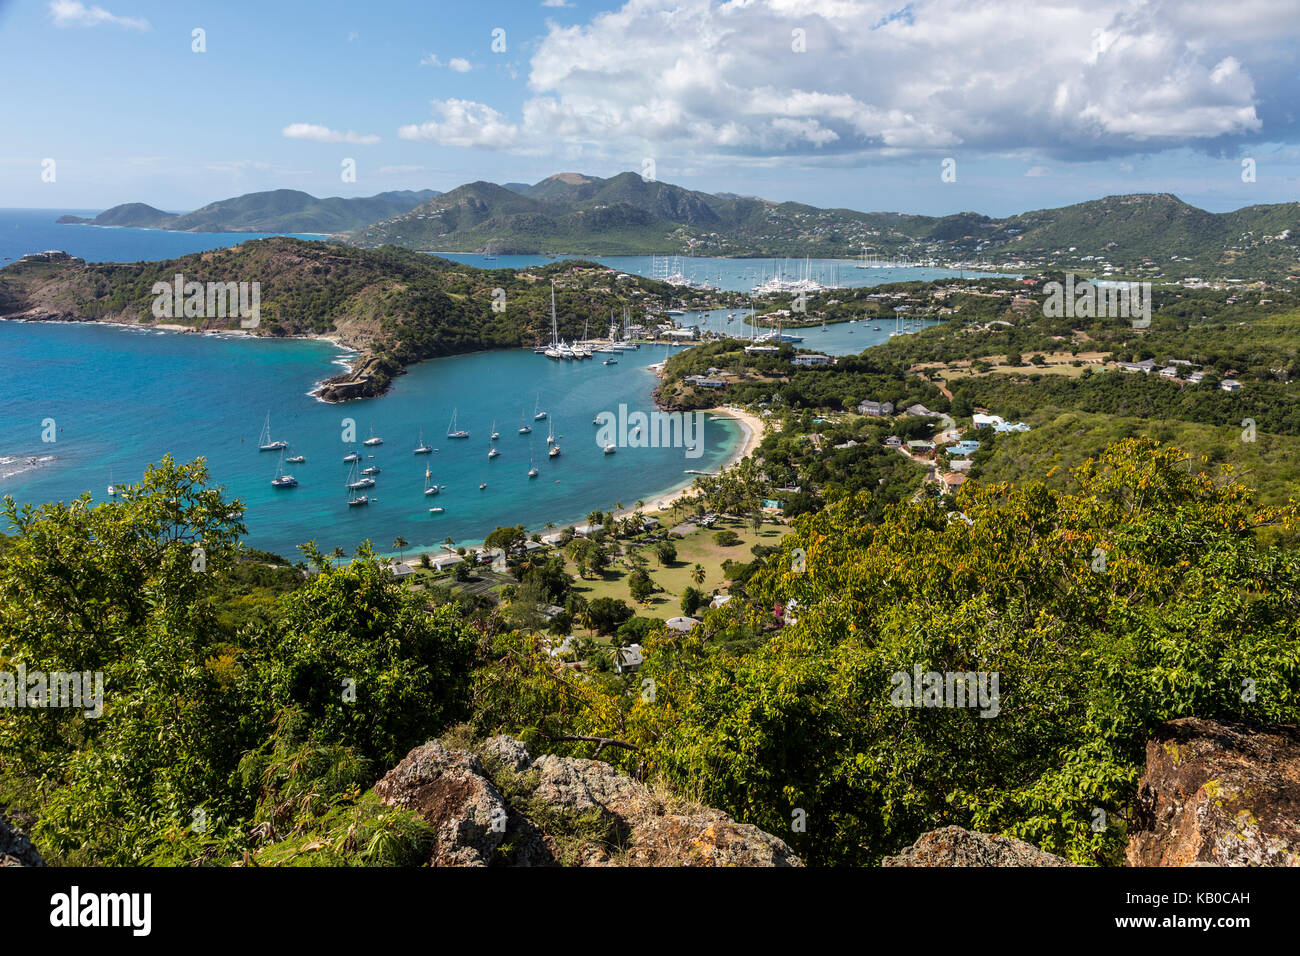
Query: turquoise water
(123, 398)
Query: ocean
(122, 398)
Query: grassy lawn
(696, 548)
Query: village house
(875, 409)
(1230, 385)
(810, 358)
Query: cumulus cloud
(70, 13)
(323, 134)
(463, 123)
(777, 79)
(459, 65)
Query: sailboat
(429, 489)
(264, 443)
(524, 428)
(532, 467)
(373, 440)
(112, 489)
(281, 480)
(296, 459)
(421, 448)
(554, 451)
(495, 434)
(351, 456)
(550, 437)
(492, 451)
(452, 430)
(355, 500)
(538, 414)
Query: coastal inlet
(123, 398)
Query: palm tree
(337, 554)
(697, 574)
(400, 544)
(449, 540)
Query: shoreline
(752, 429)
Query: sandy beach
(753, 428)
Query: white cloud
(459, 65)
(1066, 79)
(1036, 171)
(556, 3)
(463, 123)
(430, 59)
(70, 13)
(323, 134)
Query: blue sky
(833, 102)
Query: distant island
(1153, 236)
(277, 210)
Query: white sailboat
(538, 414)
(550, 436)
(351, 456)
(532, 467)
(495, 434)
(355, 500)
(373, 440)
(452, 430)
(554, 451)
(264, 443)
(281, 480)
(421, 448)
(429, 488)
(524, 427)
(112, 489)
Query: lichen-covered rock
(654, 833)
(510, 752)
(1218, 794)
(562, 810)
(15, 848)
(955, 846)
(452, 792)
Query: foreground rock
(954, 846)
(562, 811)
(1218, 794)
(451, 791)
(15, 848)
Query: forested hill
(396, 307)
(1149, 235)
(276, 210)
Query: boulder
(955, 846)
(583, 812)
(509, 752)
(452, 792)
(15, 848)
(1218, 794)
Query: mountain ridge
(1133, 234)
(273, 210)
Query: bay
(122, 398)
